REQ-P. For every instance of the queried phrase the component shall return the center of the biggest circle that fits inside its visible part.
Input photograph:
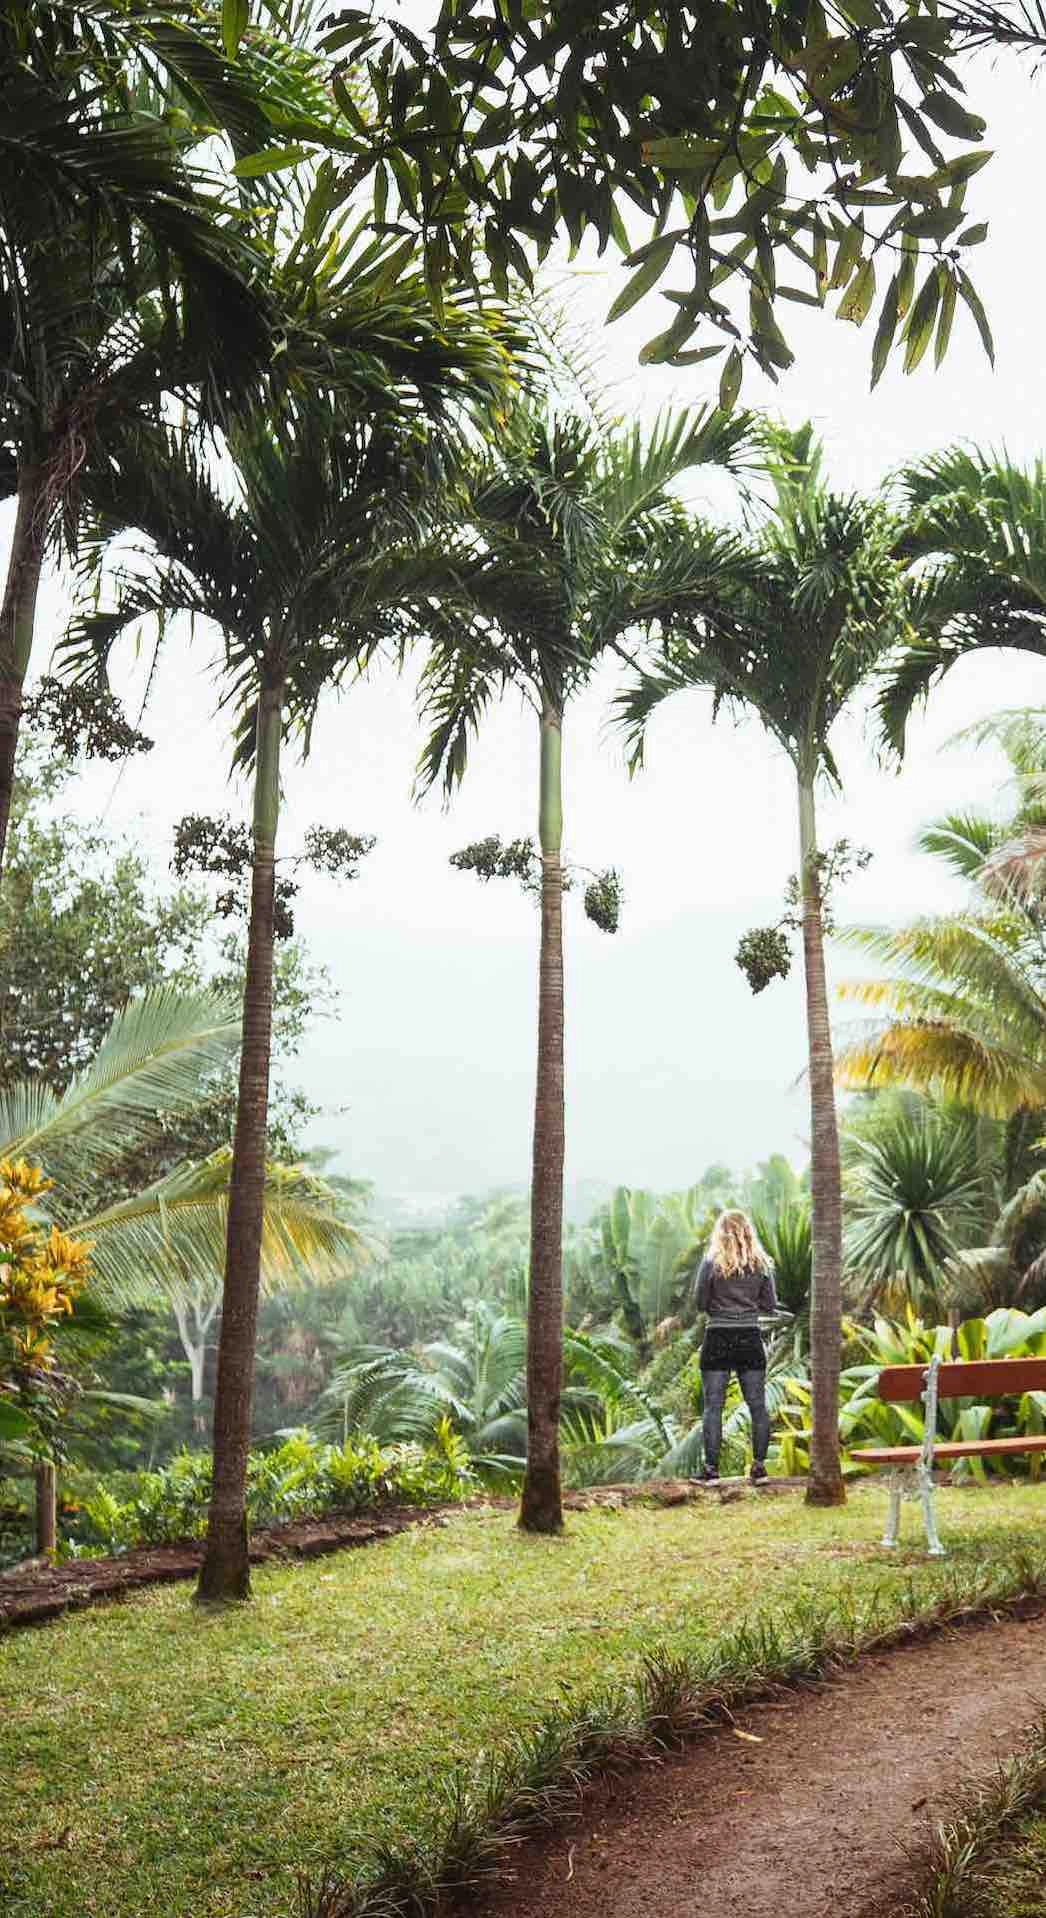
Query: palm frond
(157, 1055)
(458, 688)
(972, 958)
(171, 1238)
(1019, 866)
(634, 707)
(639, 464)
(599, 1367)
(940, 1058)
(964, 841)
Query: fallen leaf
(749, 1737)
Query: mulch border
(36, 1591)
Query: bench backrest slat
(968, 1379)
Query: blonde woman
(734, 1285)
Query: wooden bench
(944, 1379)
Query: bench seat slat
(965, 1379)
(950, 1448)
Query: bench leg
(933, 1542)
(893, 1521)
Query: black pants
(725, 1351)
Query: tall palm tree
(126, 271)
(297, 574)
(788, 622)
(565, 526)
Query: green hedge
(300, 1478)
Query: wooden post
(46, 1509)
(953, 1325)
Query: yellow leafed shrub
(42, 1270)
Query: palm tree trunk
(225, 1573)
(17, 620)
(825, 1485)
(46, 1508)
(542, 1506)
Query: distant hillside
(430, 1211)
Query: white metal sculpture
(917, 1483)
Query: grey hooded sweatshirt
(735, 1302)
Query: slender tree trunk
(46, 1508)
(825, 1485)
(17, 620)
(225, 1573)
(194, 1345)
(542, 1506)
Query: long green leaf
(644, 278)
(156, 1057)
(170, 1239)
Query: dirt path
(813, 1820)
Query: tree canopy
(742, 154)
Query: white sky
(427, 1071)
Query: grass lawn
(160, 1762)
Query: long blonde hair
(734, 1246)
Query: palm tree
(788, 622)
(565, 527)
(964, 1031)
(298, 575)
(476, 1379)
(159, 1056)
(979, 525)
(126, 274)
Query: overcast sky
(426, 1072)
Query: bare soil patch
(36, 1591)
(808, 1806)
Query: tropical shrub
(914, 1199)
(787, 1234)
(42, 1271)
(474, 1383)
(648, 1246)
(301, 1478)
(475, 1378)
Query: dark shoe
(708, 1476)
(757, 1473)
